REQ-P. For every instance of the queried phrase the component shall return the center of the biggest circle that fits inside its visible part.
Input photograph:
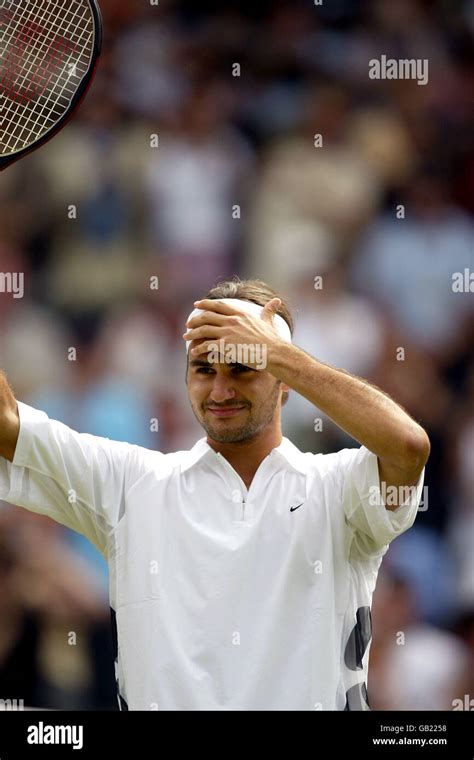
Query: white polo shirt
(223, 597)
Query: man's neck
(246, 456)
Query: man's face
(230, 401)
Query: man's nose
(222, 388)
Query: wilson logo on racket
(48, 55)
(12, 83)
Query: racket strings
(41, 41)
(33, 35)
(45, 51)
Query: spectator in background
(92, 172)
(414, 666)
(407, 264)
(329, 185)
(152, 84)
(341, 329)
(461, 528)
(194, 181)
(52, 619)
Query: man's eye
(204, 370)
(242, 368)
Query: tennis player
(242, 570)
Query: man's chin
(226, 432)
(229, 436)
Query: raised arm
(361, 409)
(9, 420)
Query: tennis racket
(48, 55)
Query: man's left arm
(362, 410)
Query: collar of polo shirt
(286, 450)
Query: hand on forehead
(216, 311)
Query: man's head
(232, 402)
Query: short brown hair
(256, 291)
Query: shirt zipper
(243, 489)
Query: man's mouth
(225, 411)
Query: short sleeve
(373, 524)
(77, 479)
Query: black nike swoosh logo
(292, 509)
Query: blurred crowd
(196, 157)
